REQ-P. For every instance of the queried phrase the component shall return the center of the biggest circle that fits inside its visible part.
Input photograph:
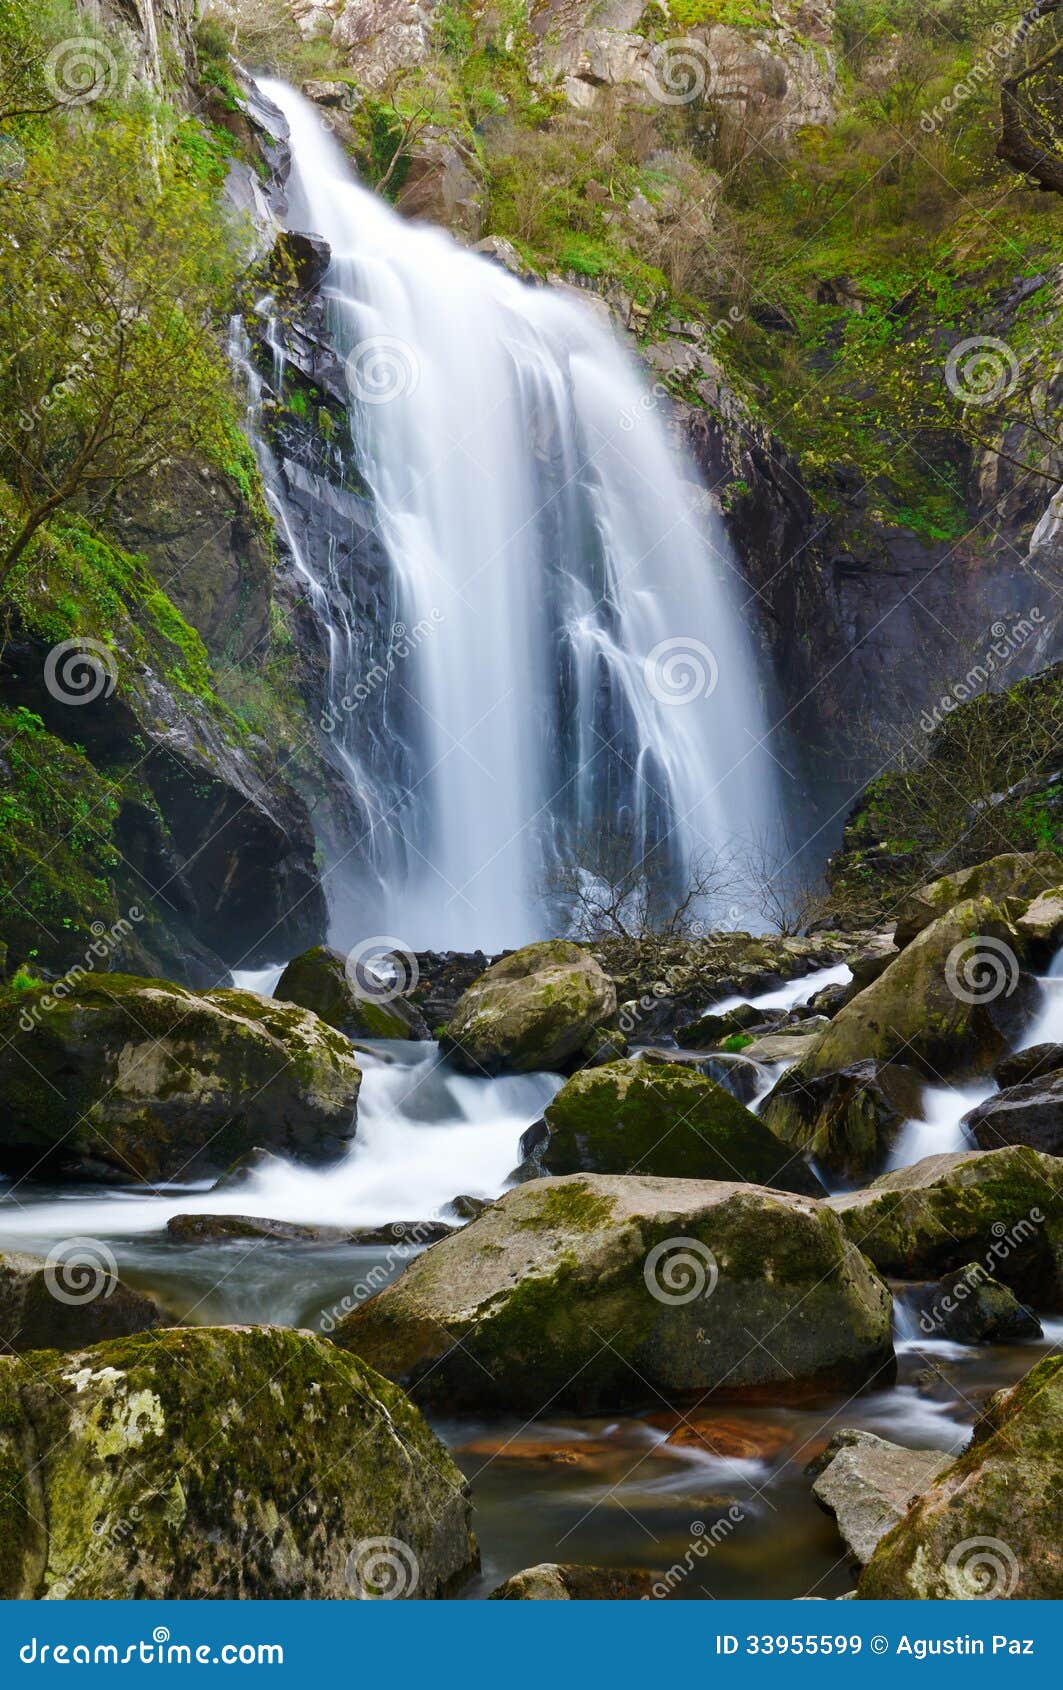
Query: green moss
(568, 1207)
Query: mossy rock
(991, 1526)
(69, 1301)
(1014, 874)
(1001, 1207)
(600, 1292)
(533, 1010)
(636, 1117)
(318, 980)
(220, 1463)
(125, 1077)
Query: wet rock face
(131, 1077)
(685, 1276)
(224, 1462)
(67, 1301)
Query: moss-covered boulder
(600, 1292)
(947, 1006)
(991, 1526)
(221, 1462)
(637, 1117)
(868, 1485)
(849, 1118)
(1003, 1208)
(534, 1009)
(971, 1307)
(319, 980)
(1014, 874)
(72, 1299)
(124, 1077)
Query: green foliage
(212, 62)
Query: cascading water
(570, 669)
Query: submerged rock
(221, 1463)
(214, 1229)
(667, 1119)
(991, 1525)
(533, 1010)
(140, 1078)
(1024, 1114)
(71, 1299)
(319, 980)
(603, 1291)
(556, 1582)
(1014, 874)
(868, 1485)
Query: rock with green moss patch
(532, 1010)
(71, 1300)
(125, 1077)
(319, 980)
(637, 1117)
(221, 1463)
(1003, 1208)
(991, 1526)
(599, 1292)
(1014, 874)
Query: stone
(320, 980)
(129, 1077)
(222, 1463)
(991, 1526)
(856, 1113)
(1014, 874)
(868, 1485)
(299, 261)
(532, 1010)
(600, 1292)
(551, 1582)
(971, 1307)
(1025, 1114)
(1034, 1063)
(1042, 921)
(667, 1119)
(73, 1298)
(219, 1229)
(444, 183)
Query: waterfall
(558, 670)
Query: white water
(1047, 1025)
(546, 539)
(791, 993)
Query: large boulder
(846, 1119)
(603, 1291)
(868, 1485)
(221, 1463)
(991, 1526)
(319, 980)
(1001, 1207)
(73, 1298)
(1015, 874)
(1031, 1114)
(1033, 1063)
(637, 1117)
(533, 1009)
(127, 1077)
(971, 1307)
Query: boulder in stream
(599, 1292)
(1025, 1114)
(222, 1463)
(971, 1307)
(1014, 874)
(320, 980)
(71, 1298)
(534, 1009)
(565, 1582)
(868, 1485)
